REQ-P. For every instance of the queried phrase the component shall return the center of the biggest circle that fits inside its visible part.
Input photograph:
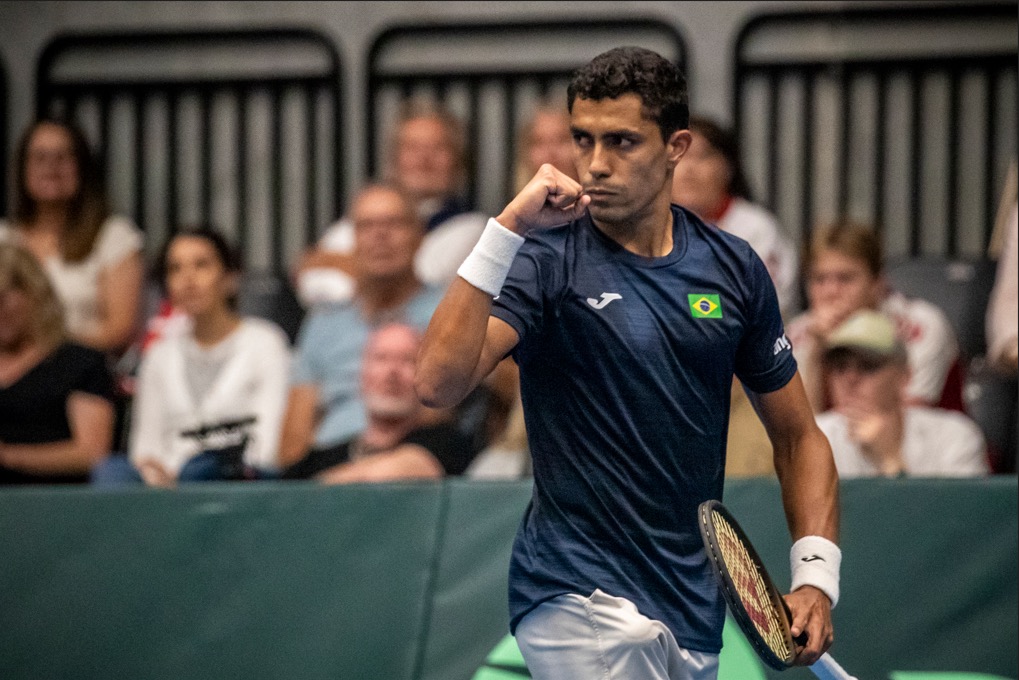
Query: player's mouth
(599, 195)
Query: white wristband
(815, 561)
(489, 263)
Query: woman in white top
(709, 180)
(226, 375)
(61, 216)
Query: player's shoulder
(717, 239)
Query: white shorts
(602, 637)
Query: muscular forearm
(810, 489)
(450, 353)
(65, 457)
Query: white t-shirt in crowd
(761, 230)
(442, 251)
(930, 342)
(936, 443)
(77, 283)
(251, 368)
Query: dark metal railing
(920, 131)
(3, 140)
(452, 64)
(239, 128)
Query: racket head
(756, 604)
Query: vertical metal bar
(916, 164)
(510, 140)
(103, 143)
(543, 86)
(473, 136)
(242, 170)
(171, 161)
(952, 139)
(139, 159)
(807, 158)
(845, 142)
(335, 195)
(772, 117)
(406, 88)
(371, 144)
(276, 192)
(878, 205)
(71, 109)
(311, 178)
(205, 148)
(990, 130)
(441, 86)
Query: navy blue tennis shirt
(626, 366)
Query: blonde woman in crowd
(56, 410)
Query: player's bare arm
(806, 471)
(463, 344)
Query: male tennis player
(628, 323)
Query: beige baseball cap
(867, 332)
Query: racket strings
(750, 587)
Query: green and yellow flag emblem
(705, 306)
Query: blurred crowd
(98, 386)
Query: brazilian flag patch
(705, 306)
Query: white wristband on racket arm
(815, 561)
(489, 263)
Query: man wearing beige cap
(872, 430)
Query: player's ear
(677, 144)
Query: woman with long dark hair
(61, 216)
(209, 399)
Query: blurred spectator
(427, 162)
(61, 216)
(219, 386)
(56, 410)
(843, 266)
(709, 180)
(872, 428)
(545, 138)
(1002, 315)
(400, 440)
(324, 408)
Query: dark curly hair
(659, 83)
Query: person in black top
(402, 439)
(56, 397)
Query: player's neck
(648, 234)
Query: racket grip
(826, 668)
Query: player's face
(386, 234)
(51, 170)
(842, 283)
(425, 159)
(859, 382)
(197, 281)
(622, 162)
(387, 373)
(550, 141)
(701, 180)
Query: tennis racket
(755, 602)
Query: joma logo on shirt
(781, 344)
